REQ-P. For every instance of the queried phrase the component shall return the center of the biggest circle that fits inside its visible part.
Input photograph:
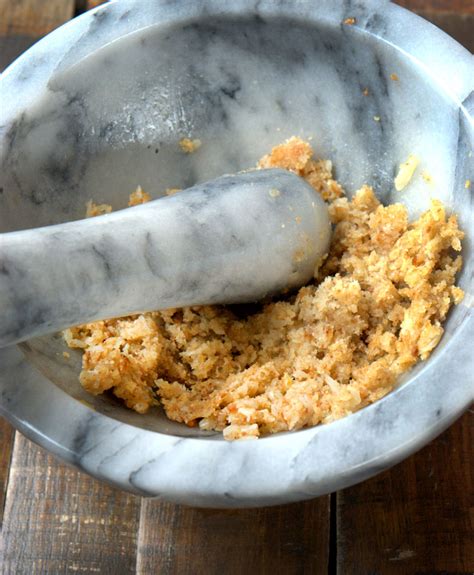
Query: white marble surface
(236, 239)
(85, 109)
(208, 471)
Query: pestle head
(273, 231)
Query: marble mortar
(101, 104)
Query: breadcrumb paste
(374, 310)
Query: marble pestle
(235, 239)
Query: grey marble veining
(102, 103)
(315, 89)
(210, 472)
(238, 238)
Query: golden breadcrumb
(189, 146)
(405, 172)
(138, 197)
(93, 209)
(375, 310)
(427, 177)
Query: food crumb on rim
(189, 146)
(406, 171)
(427, 177)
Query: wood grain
(60, 521)
(417, 517)
(33, 18)
(22, 22)
(289, 539)
(459, 26)
(94, 3)
(455, 17)
(6, 444)
(452, 6)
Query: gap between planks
(289, 539)
(183, 532)
(22, 22)
(7, 434)
(58, 520)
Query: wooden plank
(6, 444)
(455, 17)
(419, 516)
(415, 518)
(452, 6)
(458, 25)
(58, 520)
(94, 3)
(61, 522)
(33, 18)
(22, 22)
(289, 539)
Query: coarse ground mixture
(374, 310)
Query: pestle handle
(234, 239)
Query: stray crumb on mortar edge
(405, 173)
(189, 146)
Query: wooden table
(417, 518)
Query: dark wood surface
(6, 445)
(417, 518)
(289, 539)
(457, 7)
(22, 22)
(456, 17)
(59, 521)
